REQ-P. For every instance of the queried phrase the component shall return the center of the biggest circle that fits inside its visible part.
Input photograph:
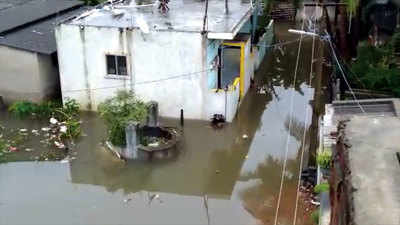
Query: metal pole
(182, 119)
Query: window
(116, 65)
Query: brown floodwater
(218, 177)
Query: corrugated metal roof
(23, 14)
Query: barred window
(116, 65)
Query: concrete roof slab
(183, 16)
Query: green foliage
(320, 188)
(315, 216)
(68, 114)
(352, 5)
(324, 159)
(375, 69)
(93, 2)
(45, 109)
(395, 42)
(22, 109)
(3, 147)
(118, 111)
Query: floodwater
(218, 177)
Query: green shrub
(320, 188)
(118, 111)
(3, 147)
(69, 113)
(324, 159)
(46, 109)
(375, 69)
(315, 216)
(22, 109)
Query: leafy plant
(320, 188)
(3, 147)
(324, 159)
(352, 5)
(22, 109)
(93, 2)
(315, 216)
(118, 111)
(375, 69)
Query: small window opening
(116, 65)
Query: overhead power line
(290, 126)
(143, 82)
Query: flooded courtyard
(231, 175)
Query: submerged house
(189, 58)
(28, 59)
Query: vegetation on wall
(118, 111)
(375, 69)
(320, 188)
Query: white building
(171, 58)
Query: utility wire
(305, 124)
(348, 68)
(143, 82)
(344, 76)
(290, 126)
(277, 44)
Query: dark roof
(31, 11)
(5, 4)
(38, 37)
(30, 24)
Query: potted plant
(324, 159)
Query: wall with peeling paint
(26, 75)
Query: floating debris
(315, 202)
(154, 196)
(28, 149)
(262, 91)
(63, 129)
(64, 161)
(59, 144)
(53, 120)
(35, 132)
(45, 129)
(245, 136)
(154, 144)
(280, 69)
(13, 149)
(217, 171)
(127, 200)
(23, 130)
(278, 60)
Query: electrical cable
(344, 76)
(290, 126)
(143, 82)
(305, 124)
